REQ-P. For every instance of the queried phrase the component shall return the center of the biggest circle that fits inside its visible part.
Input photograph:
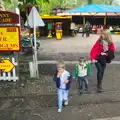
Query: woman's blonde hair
(107, 35)
(61, 64)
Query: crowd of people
(86, 28)
(101, 53)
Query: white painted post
(9, 75)
(17, 54)
(4, 76)
(14, 72)
(34, 21)
(35, 47)
(32, 71)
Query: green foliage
(14, 116)
(47, 8)
(10, 4)
(7, 1)
(33, 2)
(90, 1)
(25, 3)
(109, 2)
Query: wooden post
(105, 19)
(83, 20)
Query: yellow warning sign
(6, 65)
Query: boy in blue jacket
(63, 80)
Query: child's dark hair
(82, 59)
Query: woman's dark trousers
(100, 73)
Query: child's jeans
(81, 80)
(62, 95)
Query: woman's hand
(66, 81)
(94, 61)
(103, 53)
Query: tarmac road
(39, 102)
(70, 48)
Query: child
(82, 70)
(63, 80)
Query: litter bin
(58, 28)
(58, 34)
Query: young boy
(63, 80)
(82, 70)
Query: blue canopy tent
(94, 9)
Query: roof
(96, 8)
(56, 17)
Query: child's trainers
(87, 91)
(66, 102)
(59, 110)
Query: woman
(102, 53)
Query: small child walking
(83, 69)
(63, 79)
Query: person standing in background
(86, 29)
(72, 28)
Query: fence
(10, 76)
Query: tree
(90, 1)
(24, 5)
(8, 4)
(47, 8)
(2, 5)
(11, 5)
(108, 2)
(96, 1)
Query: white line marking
(68, 62)
(112, 118)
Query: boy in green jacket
(83, 69)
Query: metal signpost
(34, 21)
